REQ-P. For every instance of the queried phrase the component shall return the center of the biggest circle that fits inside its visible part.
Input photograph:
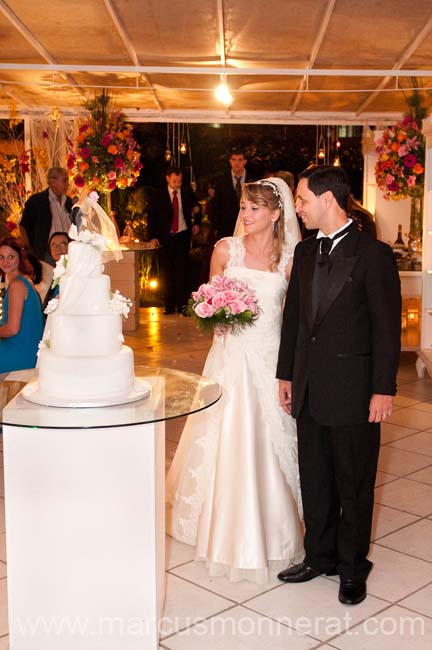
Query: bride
(233, 489)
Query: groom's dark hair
(326, 178)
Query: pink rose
(230, 296)
(219, 300)
(208, 291)
(237, 307)
(204, 310)
(112, 176)
(411, 181)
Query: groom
(337, 366)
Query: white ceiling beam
(193, 70)
(35, 43)
(221, 30)
(118, 23)
(237, 117)
(409, 50)
(315, 49)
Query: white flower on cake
(88, 237)
(59, 270)
(51, 306)
(120, 304)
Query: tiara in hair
(274, 188)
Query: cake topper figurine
(93, 220)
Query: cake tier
(80, 295)
(74, 335)
(82, 379)
(84, 260)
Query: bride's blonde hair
(267, 194)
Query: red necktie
(175, 208)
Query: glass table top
(183, 392)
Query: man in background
(228, 192)
(170, 226)
(47, 212)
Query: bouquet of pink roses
(224, 305)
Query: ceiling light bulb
(321, 153)
(183, 147)
(223, 94)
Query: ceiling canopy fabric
(285, 61)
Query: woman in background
(22, 323)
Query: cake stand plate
(31, 393)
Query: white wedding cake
(82, 359)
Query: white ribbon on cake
(95, 219)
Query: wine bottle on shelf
(399, 243)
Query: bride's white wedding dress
(233, 488)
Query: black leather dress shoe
(352, 592)
(302, 573)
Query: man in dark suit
(47, 212)
(227, 194)
(170, 225)
(337, 366)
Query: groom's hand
(285, 395)
(380, 407)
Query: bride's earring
(274, 226)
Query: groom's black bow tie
(326, 244)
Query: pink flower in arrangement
(204, 310)
(409, 160)
(85, 153)
(112, 176)
(70, 161)
(112, 185)
(95, 159)
(403, 150)
(106, 140)
(118, 163)
(219, 300)
(393, 186)
(237, 306)
(230, 295)
(79, 181)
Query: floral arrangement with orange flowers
(399, 170)
(105, 154)
(13, 192)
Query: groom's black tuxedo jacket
(350, 350)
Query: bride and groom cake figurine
(245, 471)
(82, 360)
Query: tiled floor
(211, 613)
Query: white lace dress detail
(233, 488)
